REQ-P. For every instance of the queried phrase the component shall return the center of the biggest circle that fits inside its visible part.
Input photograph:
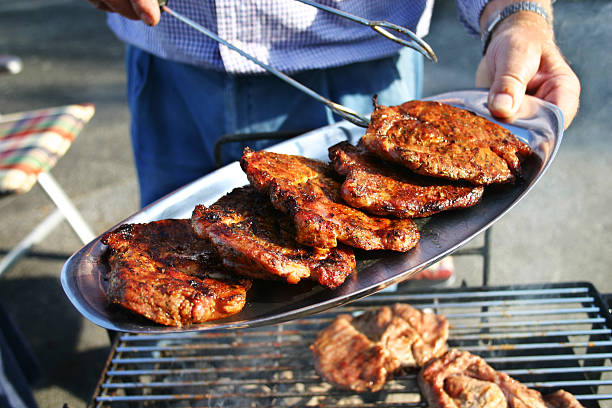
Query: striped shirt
(286, 34)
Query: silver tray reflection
(540, 125)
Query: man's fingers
(123, 7)
(100, 5)
(148, 10)
(483, 75)
(145, 10)
(563, 91)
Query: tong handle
(342, 111)
(382, 28)
(416, 44)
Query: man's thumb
(514, 67)
(506, 93)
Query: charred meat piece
(305, 190)
(348, 359)
(469, 392)
(392, 333)
(440, 140)
(361, 353)
(385, 189)
(256, 240)
(461, 379)
(161, 271)
(411, 336)
(431, 328)
(562, 399)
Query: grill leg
(486, 257)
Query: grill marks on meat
(161, 270)
(436, 139)
(256, 240)
(305, 190)
(562, 399)
(347, 358)
(361, 353)
(432, 328)
(480, 394)
(384, 189)
(461, 379)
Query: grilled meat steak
(305, 190)
(562, 399)
(431, 328)
(440, 140)
(161, 270)
(361, 353)
(461, 379)
(384, 189)
(256, 240)
(348, 359)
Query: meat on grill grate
(462, 379)
(305, 190)
(361, 353)
(440, 140)
(382, 188)
(562, 399)
(162, 271)
(349, 359)
(256, 240)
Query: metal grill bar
(206, 383)
(558, 370)
(531, 334)
(166, 372)
(523, 313)
(556, 357)
(484, 336)
(199, 397)
(556, 384)
(567, 322)
(533, 346)
(547, 338)
(455, 327)
(505, 303)
(383, 298)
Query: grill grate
(548, 337)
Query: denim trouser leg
(179, 111)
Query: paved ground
(560, 232)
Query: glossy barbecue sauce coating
(256, 240)
(440, 140)
(305, 190)
(387, 189)
(162, 271)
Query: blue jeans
(180, 111)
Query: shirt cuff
(469, 14)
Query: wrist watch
(507, 12)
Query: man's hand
(145, 10)
(522, 57)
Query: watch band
(507, 12)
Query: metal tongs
(381, 27)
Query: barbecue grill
(547, 336)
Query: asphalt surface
(560, 232)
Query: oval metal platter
(540, 124)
